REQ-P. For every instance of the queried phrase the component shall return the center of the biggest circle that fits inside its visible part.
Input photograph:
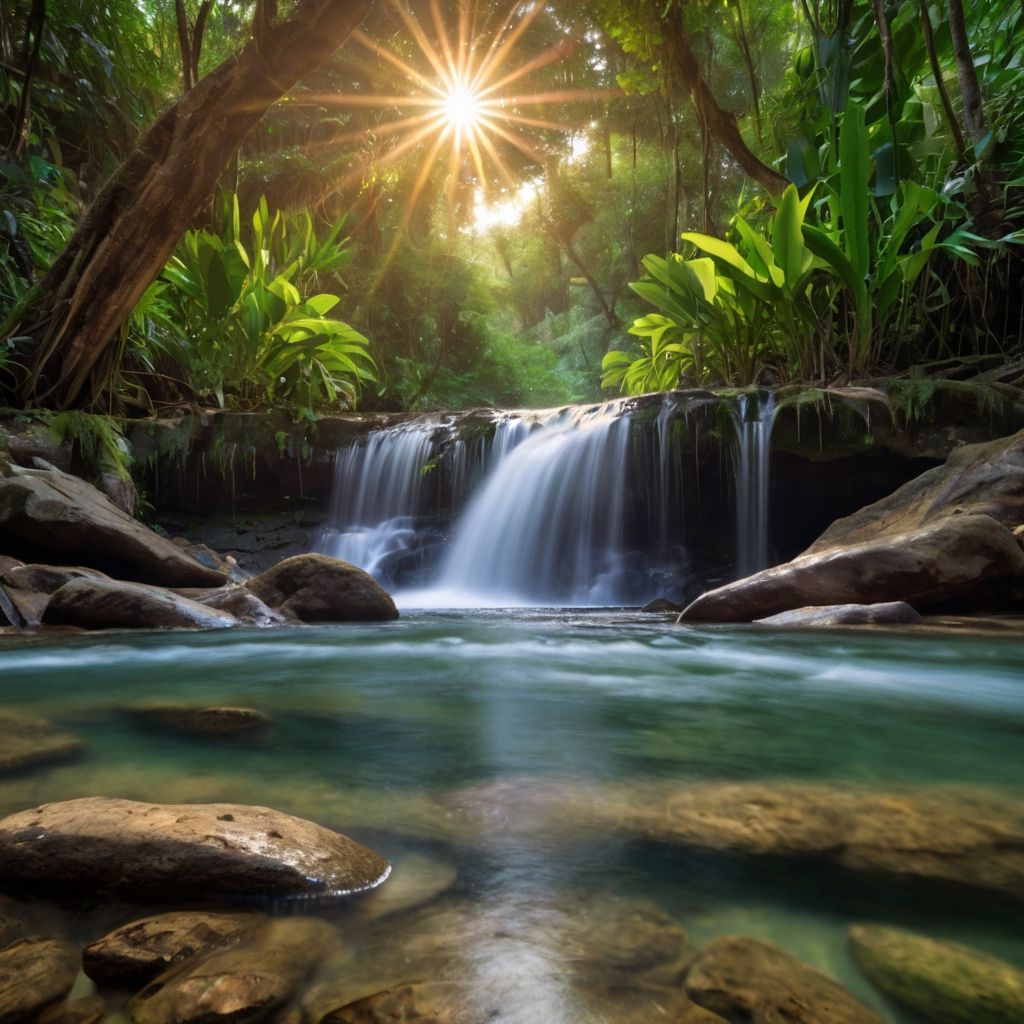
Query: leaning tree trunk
(67, 332)
(970, 89)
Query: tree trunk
(720, 123)
(970, 89)
(129, 232)
(933, 60)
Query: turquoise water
(375, 726)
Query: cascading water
(754, 417)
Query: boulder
(131, 955)
(661, 604)
(316, 588)
(943, 982)
(49, 511)
(242, 983)
(113, 604)
(90, 1010)
(95, 847)
(27, 742)
(889, 613)
(967, 561)
(29, 586)
(34, 975)
(746, 979)
(237, 601)
(202, 723)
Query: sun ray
(454, 68)
(426, 47)
(534, 122)
(495, 59)
(516, 140)
(556, 53)
(395, 61)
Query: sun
(462, 107)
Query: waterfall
(547, 526)
(754, 416)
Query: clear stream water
(372, 723)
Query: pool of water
(374, 728)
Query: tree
(66, 329)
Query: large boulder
(28, 587)
(943, 982)
(131, 955)
(316, 588)
(969, 562)
(113, 604)
(28, 742)
(49, 512)
(127, 850)
(34, 975)
(746, 979)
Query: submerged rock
(943, 982)
(89, 1010)
(889, 613)
(203, 723)
(315, 588)
(113, 604)
(34, 975)
(414, 880)
(968, 561)
(27, 742)
(131, 955)
(46, 510)
(242, 983)
(106, 847)
(750, 980)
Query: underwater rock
(439, 1002)
(27, 742)
(943, 982)
(89, 1010)
(316, 588)
(887, 613)
(47, 510)
(968, 561)
(113, 604)
(747, 979)
(95, 847)
(414, 880)
(242, 983)
(34, 974)
(131, 955)
(202, 723)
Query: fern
(99, 440)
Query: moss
(98, 440)
(916, 399)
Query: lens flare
(462, 108)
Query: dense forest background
(630, 196)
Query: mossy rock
(944, 982)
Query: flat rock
(131, 955)
(202, 723)
(106, 847)
(47, 510)
(34, 975)
(242, 983)
(28, 742)
(966, 561)
(885, 613)
(316, 588)
(750, 980)
(943, 982)
(113, 604)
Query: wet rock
(46, 510)
(120, 490)
(27, 742)
(205, 555)
(34, 974)
(239, 602)
(131, 955)
(661, 604)
(203, 723)
(29, 586)
(438, 1002)
(750, 980)
(315, 588)
(89, 1010)
(889, 613)
(106, 847)
(241, 983)
(414, 881)
(943, 982)
(113, 604)
(968, 561)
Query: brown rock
(46, 510)
(131, 955)
(203, 723)
(26, 742)
(237, 601)
(970, 561)
(315, 588)
(242, 983)
(113, 604)
(891, 613)
(750, 980)
(436, 1002)
(34, 974)
(89, 1010)
(29, 586)
(105, 847)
